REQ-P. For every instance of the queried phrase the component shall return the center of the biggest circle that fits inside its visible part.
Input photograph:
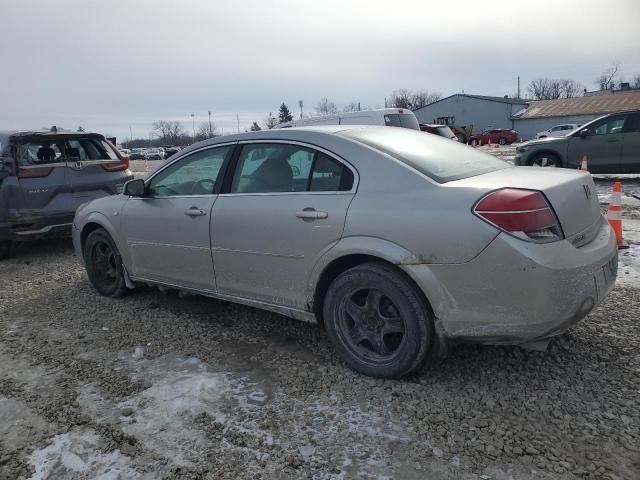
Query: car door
(284, 206)
(167, 230)
(602, 145)
(630, 155)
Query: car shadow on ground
(42, 248)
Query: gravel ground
(157, 386)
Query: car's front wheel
(545, 160)
(378, 321)
(502, 141)
(104, 264)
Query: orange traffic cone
(614, 213)
(583, 164)
(146, 165)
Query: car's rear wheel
(502, 141)
(474, 142)
(104, 264)
(5, 249)
(545, 160)
(462, 138)
(378, 321)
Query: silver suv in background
(46, 174)
(558, 130)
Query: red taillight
(34, 172)
(525, 214)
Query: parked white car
(558, 130)
(154, 154)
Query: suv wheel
(5, 249)
(378, 321)
(502, 141)
(545, 160)
(104, 264)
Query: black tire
(462, 138)
(5, 249)
(474, 142)
(545, 160)
(104, 264)
(502, 141)
(378, 321)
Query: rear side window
(440, 159)
(405, 120)
(275, 168)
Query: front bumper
(517, 292)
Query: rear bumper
(517, 292)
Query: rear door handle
(311, 213)
(195, 212)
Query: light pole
(130, 136)
(193, 120)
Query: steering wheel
(200, 185)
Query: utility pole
(130, 135)
(210, 130)
(518, 85)
(193, 121)
(358, 106)
(300, 104)
(238, 120)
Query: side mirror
(584, 133)
(134, 188)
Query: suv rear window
(47, 150)
(440, 159)
(405, 120)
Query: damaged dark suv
(45, 175)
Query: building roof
(590, 105)
(508, 100)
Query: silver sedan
(396, 241)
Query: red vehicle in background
(502, 136)
(441, 130)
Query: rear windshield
(406, 120)
(438, 158)
(55, 150)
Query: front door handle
(195, 212)
(311, 213)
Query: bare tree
(423, 98)
(326, 107)
(545, 89)
(351, 107)
(270, 122)
(570, 88)
(400, 98)
(608, 79)
(169, 131)
(203, 131)
(255, 127)
(635, 82)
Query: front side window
(195, 174)
(276, 168)
(608, 126)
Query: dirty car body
(346, 215)
(46, 174)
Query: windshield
(405, 120)
(440, 159)
(55, 150)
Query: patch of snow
(79, 453)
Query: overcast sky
(113, 64)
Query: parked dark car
(441, 130)
(136, 154)
(168, 151)
(46, 175)
(502, 136)
(611, 144)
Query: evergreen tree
(285, 114)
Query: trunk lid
(572, 195)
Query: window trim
(234, 163)
(219, 180)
